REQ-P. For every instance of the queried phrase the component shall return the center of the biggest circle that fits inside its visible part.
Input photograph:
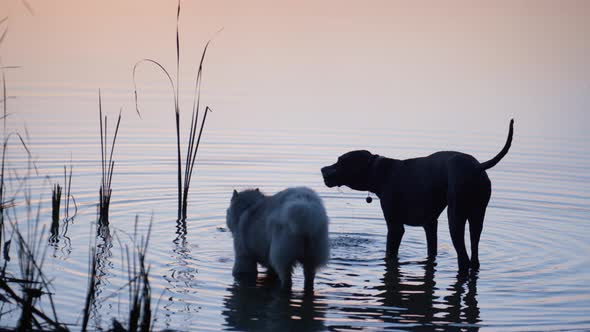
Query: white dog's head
(240, 203)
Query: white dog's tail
(306, 217)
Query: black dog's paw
(464, 267)
(474, 265)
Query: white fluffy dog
(278, 232)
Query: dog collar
(372, 173)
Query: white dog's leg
(309, 274)
(282, 259)
(285, 276)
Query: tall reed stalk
(4, 145)
(195, 131)
(55, 205)
(107, 164)
(68, 184)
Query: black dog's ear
(235, 194)
(257, 190)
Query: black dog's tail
(492, 162)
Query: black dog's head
(351, 169)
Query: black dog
(415, 192)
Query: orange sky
(500, 35)
(323, 55)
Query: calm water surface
(534, 248)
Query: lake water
(533, 248)
(280, 113)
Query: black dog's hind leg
(431, 238)
(475, 228)
(457, 221)
(476, 216)
(395, 232)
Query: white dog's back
(299, 219)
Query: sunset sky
(390, 59)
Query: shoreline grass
(28, 292)
(34, 284)
(30, 254)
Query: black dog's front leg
(395, 229)
(395, 232)
(431, 238)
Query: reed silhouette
(195, 130)
(140, 307)
(55, 205)
(56, 202)
(23, 292)
(140, 312)
(107, 164)
(32, 281)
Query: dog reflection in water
(255, 304)
(278, 232)
(412, 286)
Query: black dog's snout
(329, 175)
(328, 171)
